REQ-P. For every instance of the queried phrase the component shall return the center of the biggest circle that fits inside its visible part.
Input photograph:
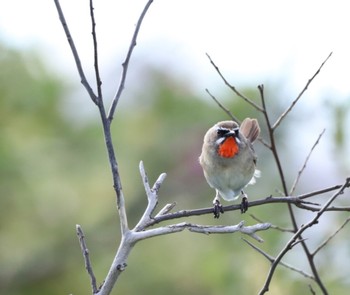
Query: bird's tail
(250, 129)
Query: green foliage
(54, 174)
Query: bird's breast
(228, 148)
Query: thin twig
(223, 107)
(166, 209)
(331, 237)
(94, 38)
(152, 197)
(320, 192)
(248, 100)
(126, 62)
(86, 256)
(285, 113)
(286, 230)
(272, 140)
(75, 54)
(329, 209)
(272, 259)
(305, 163)
(312, 290)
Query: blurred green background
(54, 173)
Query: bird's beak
(233, 133)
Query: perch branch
(297, 201)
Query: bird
(229, 161)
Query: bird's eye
(236, 130)
(222, 131)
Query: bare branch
(126, 62)
(331, 237)
(273, 143)
(312, 290)
(273, 226)
(320, 192)
(305, 163)
(166, 209)
(252, 103)
(94, 38)
(297, 235)
(75, 54)
(247, 230)
(272, 259)
(196, 212)
(86, 256)
(318, 208)
(284, 185)
(205, 229)
(279, 120)
(223, 108)
(152, 197)
(119, 263)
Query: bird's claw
(217, 209)
(244, 204)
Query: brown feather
(250, 129)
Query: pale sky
(253, 42)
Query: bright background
(54, 172)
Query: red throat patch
(229, 148)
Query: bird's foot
(217, 208)
(244, 203)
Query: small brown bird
(229, 160)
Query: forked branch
(126, 62)
(297, 236)
(285, 113)
(75, 54)
(145, 228)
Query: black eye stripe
(222, 131)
